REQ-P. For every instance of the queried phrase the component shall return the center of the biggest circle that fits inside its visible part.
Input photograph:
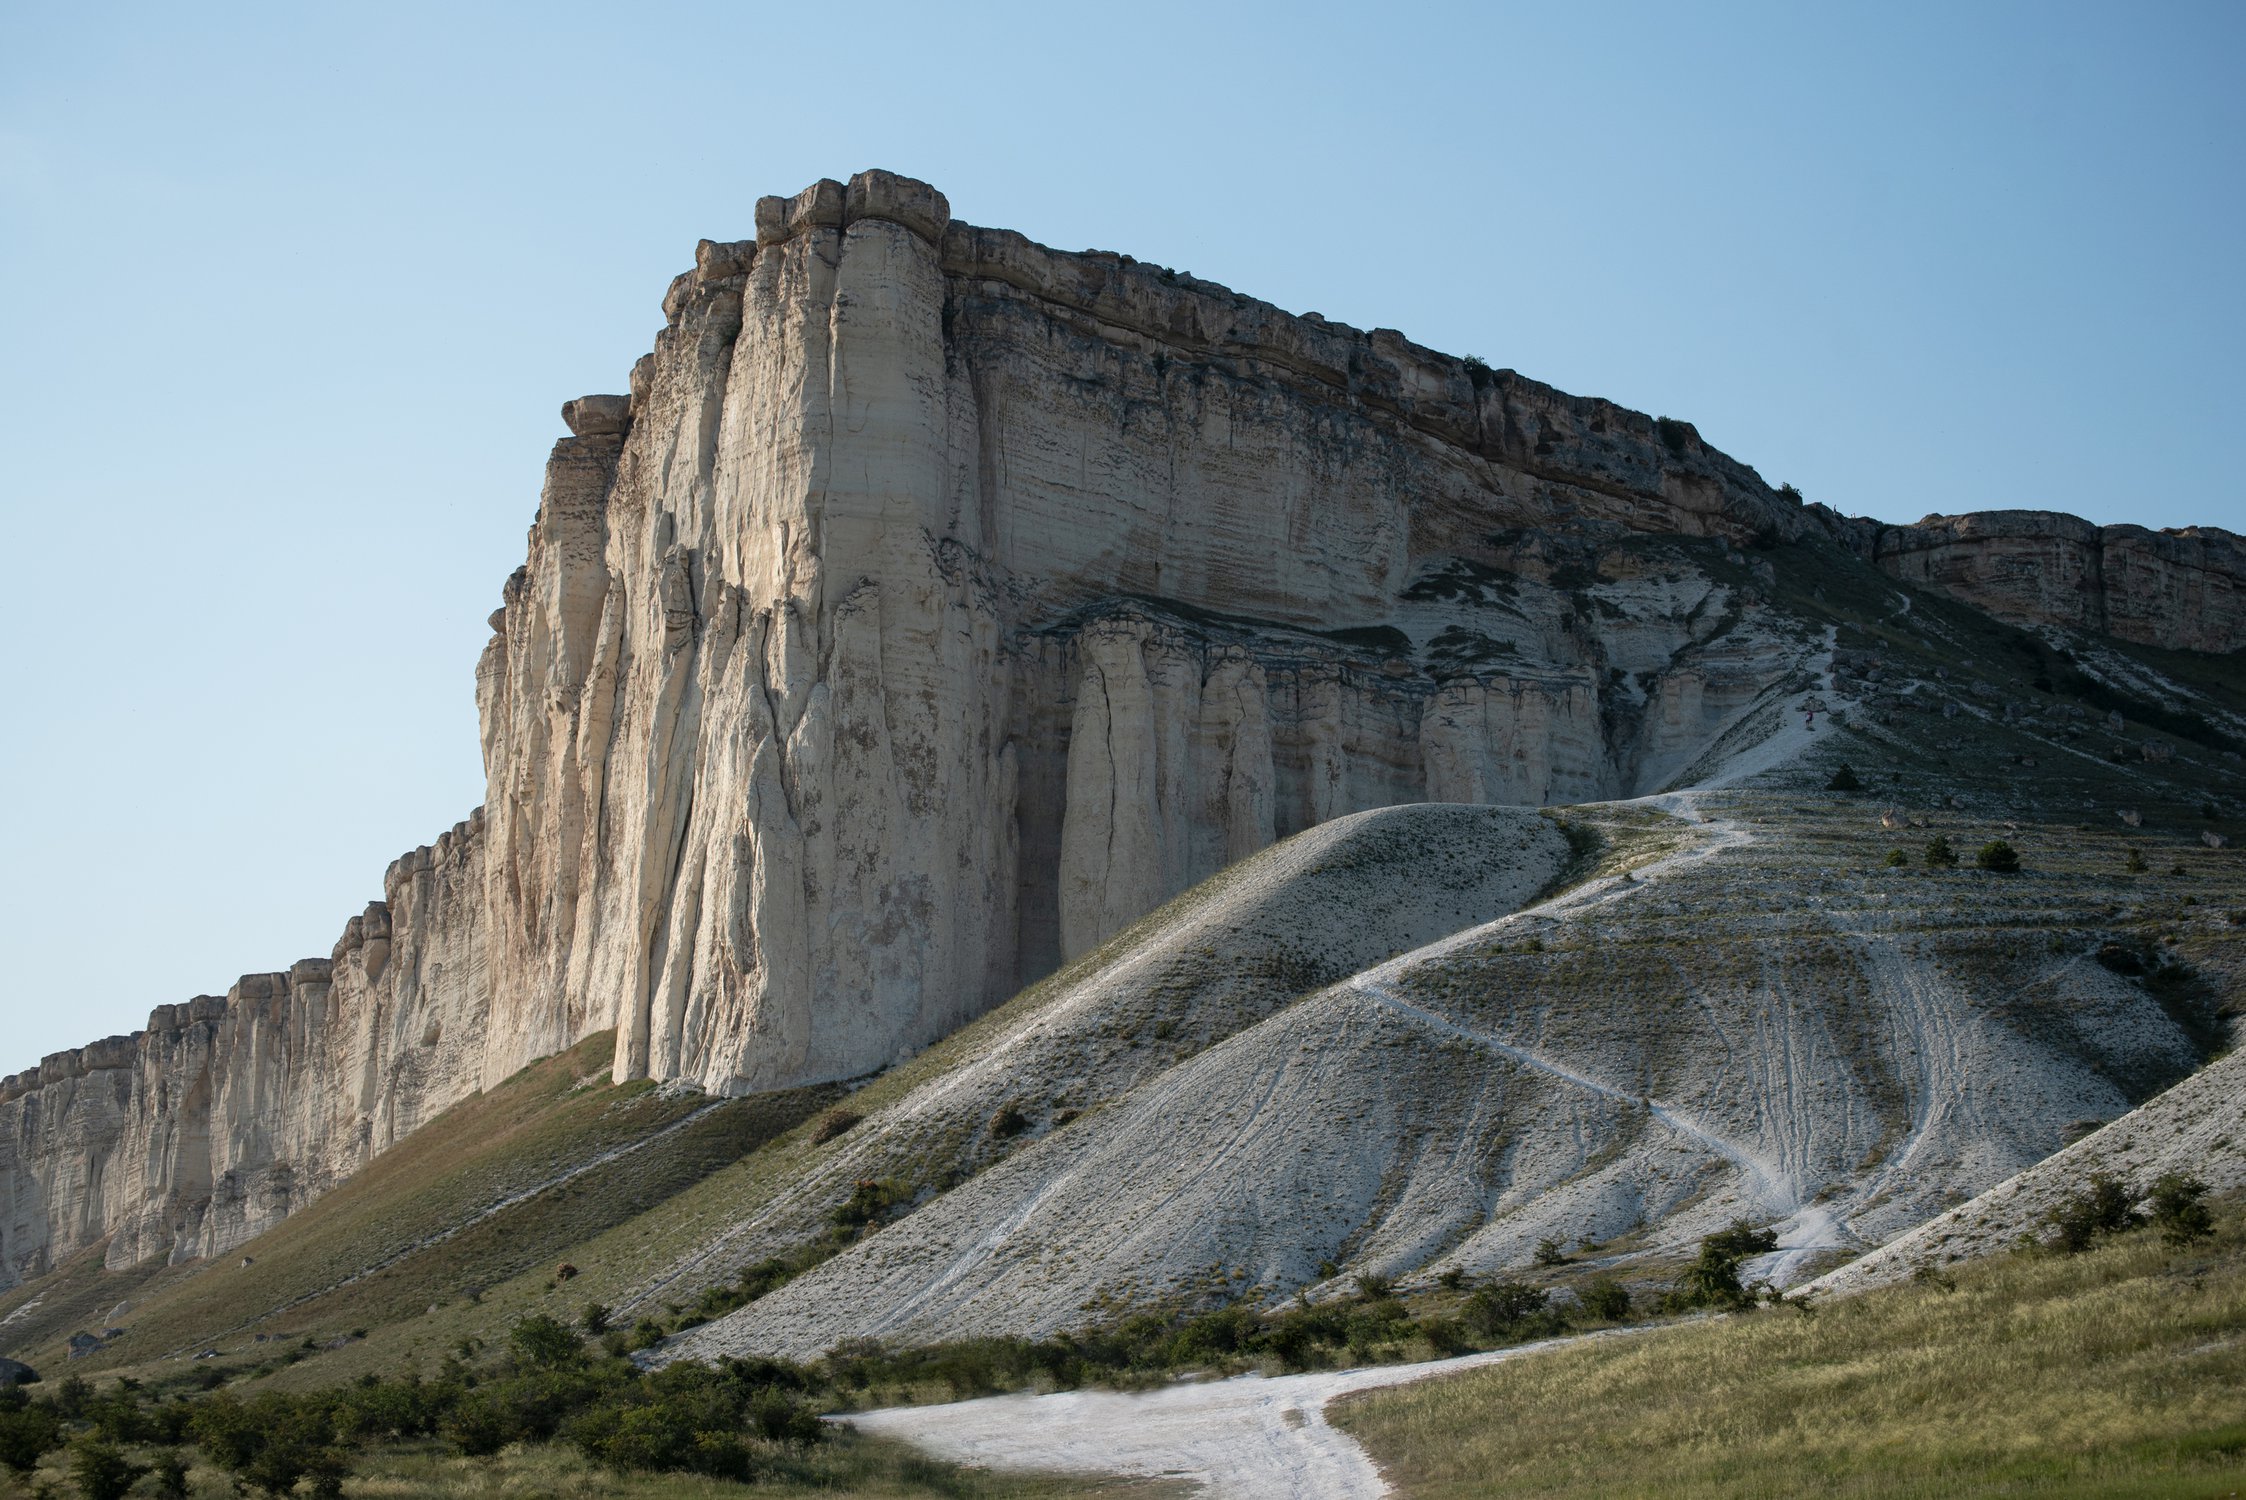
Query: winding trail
(1251, 1437)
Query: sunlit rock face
(2181, 588)
(942, 603)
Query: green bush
(1939, 854)
(1999, 856)
(1844, 780)
(272, 1443)
(26, 1432)
(833, 1123)
(2100, 1207)
(544, 1343)
(594, 1319)
(2177, 1211)
(169, 1476)
(1549, 1253)
(1606, 1299)
(101, 1470)
(870, 1203)
(1897, 859)
(1713, 1279)
(1509, 1310)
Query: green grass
(2117, 1373)
(849, 1465)
(404, 1235)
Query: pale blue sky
(289, 297)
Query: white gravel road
(1247, 1438)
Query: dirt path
(1247, 1438)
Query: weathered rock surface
(2194, 1128)
(2178, 588)
(935, 605)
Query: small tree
(1844, 780)
(2100, 1208)
(1507, 1309)
(2135, 863)
(1606, 1299)
(1713, 1279)
(2177, 1211)
(1897, 859)
(1939, 854)
(545, 1343)
(1549, 1253)
(1999, 856)
(170, 1471)
(594, 1320)
(101, 1470)
(26, 1432)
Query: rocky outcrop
(228, 1112)
(2177, 588)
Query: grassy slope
(412, 1232)
(2117, 1373)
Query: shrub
(169, 1476)
(1452, 1279)
(1939, 854)
(1374, 1288)
(1844, 780)
(1508, 1309)
(2177, 1211)
(2099, 1208)
(1444, 1336)
(272, 1443)
(1999, 856)
(594, 1319)
(2135, 863)
(1606, 1299)
(1713, 1279)
(544, 1343)
(380, 1409)
(833, 1123)
(27, 1432)
(1478, 371)
(1009, 1121)
(1676, 436)
(101, 1471)
(1897, 859)
(1549, 1253)
(868, 1204)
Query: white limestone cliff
(934, 605)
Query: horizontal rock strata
(2177, 588)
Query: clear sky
(290, 296)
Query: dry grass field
(2117, 1373)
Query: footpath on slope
(1251, 1437)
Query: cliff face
(934, 606)
(226, 1114)
(2181, 588)
(938, 604)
